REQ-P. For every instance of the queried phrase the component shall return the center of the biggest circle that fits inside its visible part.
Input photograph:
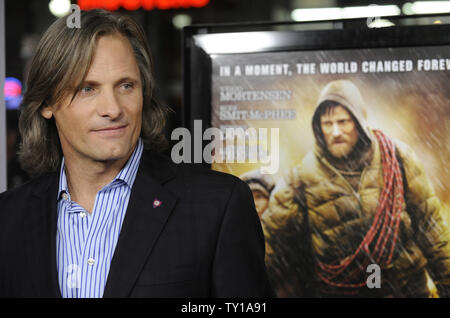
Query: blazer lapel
(41, 226)
(149, 208)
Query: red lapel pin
(156, 203)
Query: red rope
(383, 231)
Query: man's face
(261, 202)
(340, 131)
(103, 122)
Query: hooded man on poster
(359, 198)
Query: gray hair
(59, 66)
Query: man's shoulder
(306, 169)
(204, 182)
(198, 187)
(205, 174)
(191, 175)
(23, 192)
(411, 163)
(403, 149)
(310, 160)
(407, 155)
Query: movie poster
(404, 93)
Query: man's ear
(47, 112)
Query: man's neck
(85, 179)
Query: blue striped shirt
(85, 242)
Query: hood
(259, 182)
(346, 94)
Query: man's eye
(127, 86)
(86, 90)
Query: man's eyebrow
(127, 79)
(90, 83)
(119, 81)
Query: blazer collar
(144, 221)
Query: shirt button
(65, 196)
(91, 261)
(83, 214)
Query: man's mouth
(111, 130)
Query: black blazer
(204, 240)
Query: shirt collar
(126, 175)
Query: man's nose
(336, 130)
(109, 105)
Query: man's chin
(111, 155)
(339, 152)
(110, 151)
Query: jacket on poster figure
(323, 209)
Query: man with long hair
(358, 201)
(106, 215)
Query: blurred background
(163, 20)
